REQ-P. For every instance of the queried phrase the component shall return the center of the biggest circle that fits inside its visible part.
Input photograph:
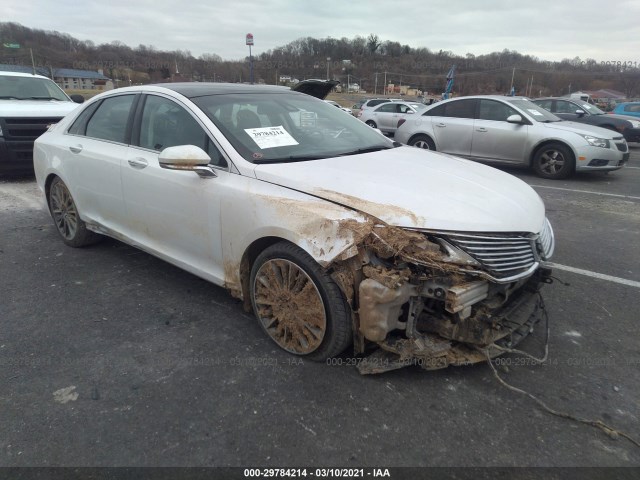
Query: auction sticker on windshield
(534, 112)
(270, 137)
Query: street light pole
(328, 63)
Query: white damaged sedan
(333, 234)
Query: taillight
(360, 113)
(401, 121)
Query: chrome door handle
(76, 148)
(440, 125)
(481, 129)
(138, 162)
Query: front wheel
(422, 141)
(66, 217)
(554, 161)
(298, 304)
(371, 123)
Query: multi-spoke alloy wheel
(554, 161)
(298, 304)
(66, 217)
(290, 307)
(64, 211)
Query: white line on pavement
(588, 273)
(586, 191)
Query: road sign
(11, 45)
(249, 39)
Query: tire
(283, 279)
(66, 217)
(554, 161)
(371, 123)
(422, 141)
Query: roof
(21, 74)
(57, 72)
(74, 73)
(4, 67)
(200, 89)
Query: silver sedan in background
(515, 131)
(388, 116)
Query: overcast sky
(548, 29)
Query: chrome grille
(503, 255)
(546, 242)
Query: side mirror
(77, 98)
(517, 119)
(410, 111)
(580, 112)
(186, 157)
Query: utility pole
(513, 73)
(328, 63)
(33, 64)
(385, 83)
(375, 85)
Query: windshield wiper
(292, 158)
(367, 150)
(39, 98)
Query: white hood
(35, 108)
(410, 187)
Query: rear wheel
(554, 161)
(371, 123)
(298, 304)
(66, 217)
(422, 141)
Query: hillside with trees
(368, 61)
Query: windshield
(592, 109)
(30, 88)
(534, 111)
(286, 127)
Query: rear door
(384, 115)
(94, 145)
(453, 126)
(495, 139)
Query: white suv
(28, 104)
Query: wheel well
(551, 142)
(248, 258)
(421, 135)
(47, 187)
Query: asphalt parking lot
(111, 357)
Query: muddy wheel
(298, 304)
(65, 215)
(422, 141)
(371, 123)
(554, 161)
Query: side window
(546, 104)
(632, 108)
(460, 108)
(80, 124)
(166, 124)
(109, 122)
(435, 111)
(403, 108)
(386, 108)
(494, 110)
(566, 107)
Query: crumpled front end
(436, 299)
